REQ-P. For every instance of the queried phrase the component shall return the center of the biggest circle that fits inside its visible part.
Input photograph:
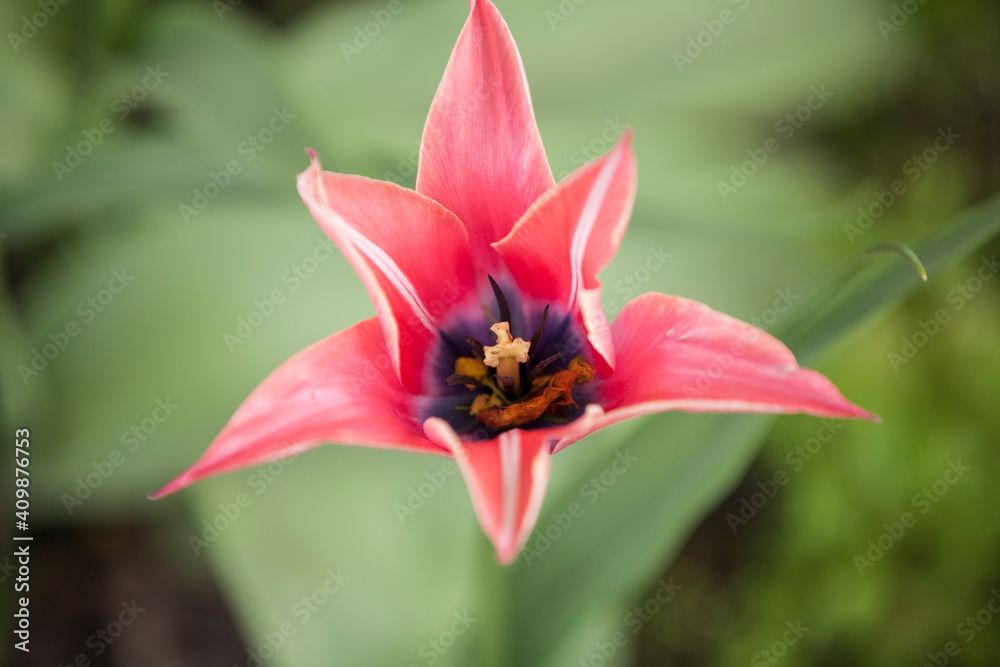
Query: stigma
(507, 354)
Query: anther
(501, 300)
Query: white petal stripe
(510, 476)
(380, 259)
(588, 218)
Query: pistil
(506, 355)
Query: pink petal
(678, 354)
(506, 477)
(560, 245)
(411, 253)
(481, 154)
(336, 390)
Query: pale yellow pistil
(507, 354)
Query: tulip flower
(490, 344)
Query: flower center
(513, 388)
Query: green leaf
(893, 282)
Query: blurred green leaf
(893, 283)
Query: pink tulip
(451, 363)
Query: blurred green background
(148, 203)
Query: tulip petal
(564, 240)
(678, 354)
(399, 242)
(507, 478)
(341, 389)
(481, 155)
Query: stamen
(540, 366)
(506, 382)
(467, 380)
(476, 346)
(554, 396)
(541, 327)
(501, 300)
(585, 370)
(483, 402)
(474, 368)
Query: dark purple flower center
(481, 382)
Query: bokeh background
(731, 540)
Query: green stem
(494, 608)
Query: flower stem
(494, 601)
